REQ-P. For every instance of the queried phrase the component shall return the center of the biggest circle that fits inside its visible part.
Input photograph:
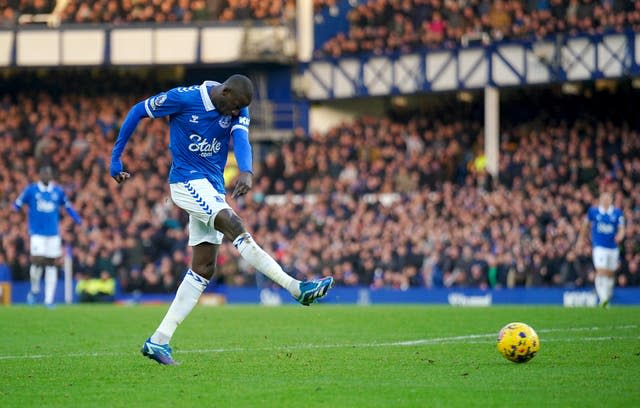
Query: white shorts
(203, 203)
(48, 246)
(606, 258)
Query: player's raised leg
(306, 293)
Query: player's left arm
(69, 208)
(243, 153)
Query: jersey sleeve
(241, 145)
(64, 201)
(163, 104)
(620, 217)
(22, 198)
(241, 122)
(591, 214)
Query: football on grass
(518, 342)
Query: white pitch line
(408, 343)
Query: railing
(504, 63)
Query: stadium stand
(140, 11)
(342, 202)
(385, 26)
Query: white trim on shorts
(606, 258)
(203, 203)
(48, 246)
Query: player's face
(230, 104)
(46, 174)
(605, 200)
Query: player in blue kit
(44, 200)
(607, 231)
(203, 119)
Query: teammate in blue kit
(607, 231)
(44, 200)
(203, 118)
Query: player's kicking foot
(158, 352)
(31, 298)
(310, 291)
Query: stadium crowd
(380, 202)
(387, 26)
(378, 26)
(147, 11)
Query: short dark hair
(240, 85)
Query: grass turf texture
(321, 356)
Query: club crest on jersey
(204, 148)
(225, 122)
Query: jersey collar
(606, 210)
(42, 187)
(204, 94)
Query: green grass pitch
(320, 356)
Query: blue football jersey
(199, 135)
(604, 226)
(44, 207)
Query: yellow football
(518, 342)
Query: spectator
(96, 290)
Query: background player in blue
(607, 231)
(44, 200)
(203, 118)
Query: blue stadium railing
(560, 58)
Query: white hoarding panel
(221, 44)
(132, 46)
(6, 47)
(83, 47)
(176, 46)
(38, 48)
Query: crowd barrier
(365, 296)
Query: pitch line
(469, 339)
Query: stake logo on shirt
(203, 147)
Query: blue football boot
(310, 291)
(161, 353)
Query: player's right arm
(160, 105)
(242, 150)
(24, 196)
(584, 228)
